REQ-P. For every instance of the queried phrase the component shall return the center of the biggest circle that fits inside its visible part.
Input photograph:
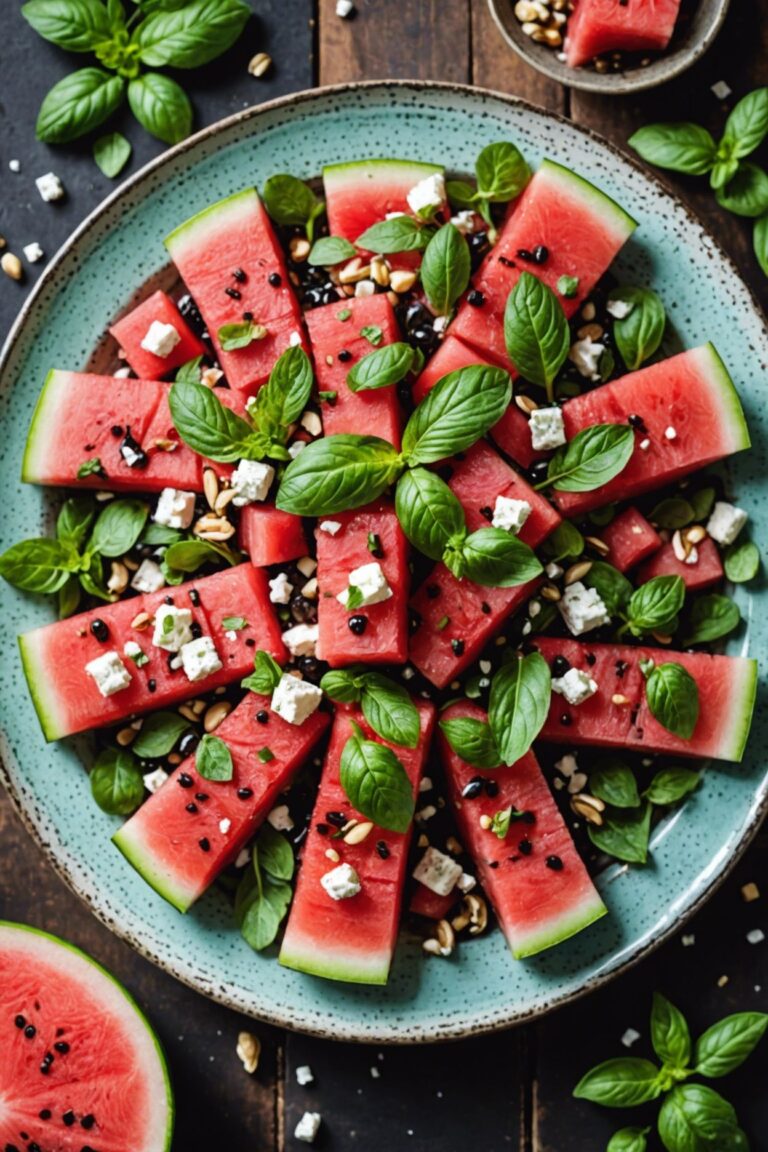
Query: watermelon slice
(235, 236)
(270, 536)
(81, 417)
(131, 329)
(338, 329)
(691, 416)
(726, 684)
(543, 894)
(68, 700)
(598, 26)
(457, 617)
(706, 572)
(363, 192)
(164, 841)
(104, 1067)
(353, 939)
(382, 637)
(630, 538)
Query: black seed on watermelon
(485, 608)
(185, 780)
(194, 597)
(458, 647)
(338, 819)
(205, 844)
(151, 685)
(322, 829)
(382, 849)
(357, 624)
(345, 355)
(117, 430)
(275, 279)
(100, 630)
(565, 719)
(239, 275)
(30, 1031)
(262, 716)
(244, 793)
(188, 743)
(62, 1047)
(88, 1121)
(555, 863)
(525, 847)
(473, 788)
(433, 591)
(192, 807)
(476, 298)
(201, 796)
(560, 666)
(19, 1021)
(45, 1113)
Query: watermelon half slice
(106, 1084)
(598, 26)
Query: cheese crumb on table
(50, 187)
(619, 308)
(586, 355)
(280, 818)
(308, 1127)
(280, 589)
(304, 1075)
(33, 252)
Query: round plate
(91, 280)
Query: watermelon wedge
(231, 262)
(106, 1083)
(132, 329)
(68, 700)
(598, 26)
(164, 841)
(705, 572)
(726, 684)
(691, 416)
(353, 939)
(630, 538)
(270, 536)
(457, 617)
(543, 894)
(363, 192)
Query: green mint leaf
(118, 527)
(671, 785)
(261, 901)
(275, 854)
(289, 201)
(741, 562)
(536, 331)
(621, 1083)
(161, 106)
(612, 586)
(747, 125)
(213, 759)
(373, 334)
(342, 685)
(495, 558)
(384, 366)
(75, 519)
(639, 333)
(92, 467)
(266, 755)
(389, 710)
(565, 543)
(190, 36)
(74, 25)
(400, 234)
(240, 334)
(111, 153)
(472, 740)
(337, 473)
(673, 699)
(189, 555)
(445, 268)
(760, 242)
(726, 1045)
(330, 250)
(285, 395)
(91, 577)
(460, 409)
(265, 676)
(78, 104)
(614, 783)
(746, 193)
(501, 172)
(690, 1115)
(594, 456)
(42, 565)
(159, 734)
(568, 286)
(429, 513)
(518, 704)
(629, 1140)
(116, 782)
(206, 425)
(375, 782)
(501, 820)
(673, 513)
(461, 194)
(624, 834)
(234, 623)
(711, 617)
(679, 147)
(656, 603)
(670, 1035)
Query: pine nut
(661, 637)
(215, 714)
(393, 299)
(453, 846)
(380, 271)
(619, 700)
(11, 265)
(577, 572)
(298, 248)
(197, 706)
(225, 497)
(478, 914)
(211, 527)
(552, 37)
(142, 621)
(550, 592)
(353, 271)
(118, 580)
(174, 758)
(696, 534)
(526, 404)
(401, 281)
(359, 833)
(591, 331)
(525, 11)
(590, 807)
(431, 946)
(210, 486)
(485, 822)
(445, 937)
(249, 1050)
(165, 445)
(187, 712)
(309, 591)
(597, 544)
(332, 855)
(589, 311)
(125, 737)
(259, 64)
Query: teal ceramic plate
(92, 279)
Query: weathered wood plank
(495, 65)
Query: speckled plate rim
(66, 863)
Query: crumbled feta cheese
(464, 221)
(224, 825)
(371, 582)
(296, 447)
(582, 608)
(307, 566)
(341, 883)
(122, 374)
(427, 196)
(301, 640)
(438, 872)
(311, 422)
(148, 577)
(309, 1125)
(280, 818)
(510, 514)
(175, 508)
(554, 571)
(109, 672)
(160, 339)
(586, 355)
(344, 8)
(630, 1037)
(721, 90)
(670, 432)
(485, 666)
(14, 165)
(645, 444)
(330, 526)
(755, 936)
(547, 429)
(154, 780)
(280, 589)
(231, 635)
(394, 215)
(375, 1073)
(576, 686)
(33, 252)
(200, 659)
(619, 308)
(304, 1075)
(466, 883)
(294, 340)
(408, 673)
(725, 522)
(294, 700)
(534, 608)
(693, 556)
(173, 627)
(50, 187)
(251, 481)
(440, 323)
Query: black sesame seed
(233, 292)
(88, 1121)
(525, 847)
(458, 647)
(62, 1047)
(100, 630)
(69, 1118)
(345, 355)
(433, 591)
(196, 630)
(205, 844)
(540, 254)
(555, 863)
(30, 1031)
(473, 788)
(507, 262)
(382, 849)
(487, 512)
(526, 254)
(192, 807)
(45, 1113)
(275, 279)
(357, 624)
(117, 430)
(338, 819)
(44, 1068)
(591, 658)
(201, 796)
(239, 275)
(476, 298)
(250, 642)
(493, 863)
(560, 666)
(262, 716)
(247, 316)
(168, 600)
(19, 1021)
(322, 829)
(491, 788)
(33, 1146)
(151, 685)
(565, 720)
(244, 793)
(185, 780)
(194, 597)
(485, 608)
(637, 422)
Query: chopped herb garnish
(373, 334)
(234, 623)
(329, 397)
(92, 467)
(443, 622)
(344, 314)
(265, 755)
(374, 544)
(240, 335)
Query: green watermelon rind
(743, 697)
(337, 177)
(43, 426)
(150, 868)
(46, 704)
(125, 994)
(559, 928)
(592, 197)
(197, 226)
(730, 402)
(350, 969)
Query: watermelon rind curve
(560, 928)
(337, 965)
(239, 203)
(743, 697)
(149, 868)
(47, 704)
(732, 412)
(594, 199)
(43, 426)
(336, 176)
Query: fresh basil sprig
(472, 740)
(501, 173)
(116, 782)
(536, 332)
(382, 367)
(639, 333)
(264, 892)
(671, 785)
(611, 585)
(454, 414)
(386, 705)
(742, 561)
(159, 735)
(711, 617)
(624, 833)
(673, 699)
(292, 203)
(655, 605)
(614, 783)
(186, 556)
(400, 234)
(240, 334)
(265, 676)
(445, 268)
(594, 456)
(111, 153)
(376, 783)
(213, 759)
(494, 558)
(330, 250)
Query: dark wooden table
(512, 1090)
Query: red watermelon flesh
(598, 26)
(270, 536)
(236, 235)
(131, 329)
(162, 839)
(81, 416)
(372, 413)
(726, 687)
(106, 1068)
(67, 698)
(691, 414)
(630, 538)
(537, 906)
(430, 905)
(473, 613)
(707, 572)
(385, 636)
(582, 230)
(353, 939)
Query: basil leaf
(673, 513)
(116, 782)
(400, 234)
(68, 597)
(594, 456)
(429, 513)
(290, 201)
(118, 527)
(613, 782)
(501, 172)
(275, 855)
(722, 173)
(159, 735)
(75, 519)
(727, 1044)
(190, 36)
(41, 565)
(445, 268)
(741, 562)
(213, 759)
(472, 740)
(75, 25)
(624, 834)
(629, 1140)
(670, 1036)
(495, 558)
(518, 704)
(460, 409)
(390, 711)
(612, 586)
(384, 366)
(189, 373)
(711, 618)
(77, 104)
(621, 1083)
(760, 242)
(337, 473)
(240, 334)
(373, 333)
(702, 502)
(342, 685)
(265, 676)
(92, 467)
(746, 194)
(160, 534)
(161, 106)
(673, 699)
(206, 425)
(747, 125)
(189, 555)
(375, 782)
(568, 286)
(536, 331)
(639, 333)
(688, 1115)
(111, 153)
(461, 194)
(565, 543)
(671, 785)
(285, 395)
(330, 250)
(655, 603)
(261, 909)
(679, 147)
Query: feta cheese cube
(547, 429)
(619, 308)
(33, 252)
(175, 508)
(670, 432)
(294, 340)
(251, 481)
(725, 522)
(341, 883)
(173, 627)
(280, 589)
(50, 187)
(154, 780)
(280, 818)
(309, 1125)
(427, 196)
(330, 526)
(109, 672)
(224, 825)
(466, 883)
(160, 339)
(721, 90)
(148, 577)
(464, 221)
(304, 1075)
(200, 659)
(630, 1037)
(510, 514)
(576, 686)
(301, 640)
(438, 872)
(371, 582)
(586, 356)
(14, 165)
(582, 608)
(294, 700)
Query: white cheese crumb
(670, 432)
(296, 447)
(466, 883)
(364, 288)
(344, 8)
(148, 577)
(547, 429)
(554, 571)
(330, 526)
(109, 672)
(721, 90)
(173, 627)
(304, 1075)
(301, 640)
(464, 221)
(440, 323)
(756, 936)
(630, 1037)
(200, 659)
(294, 700)
(14, 165)
(371, 582)
(243, 858)
(425, 784)
(375, 1073)
(408, 673)
(341, 883)
(280, 589)
(577, 783)
(645, 444)
(154, 780)
(160, 339)
(280, 818)
(33, 252)
(586, 355)
(582, 608)
(251, 481)
(224, 825)
(427, 196)
(510, 514)
(294, 340)
(309, 1125)
(725, 522)
(619, 308)
(307, 566)
(426, 813)
(438, 872)
(231, 635)
(175, 508)
(576, 686)
(122, 374)
(566, 765)
(50, 187)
